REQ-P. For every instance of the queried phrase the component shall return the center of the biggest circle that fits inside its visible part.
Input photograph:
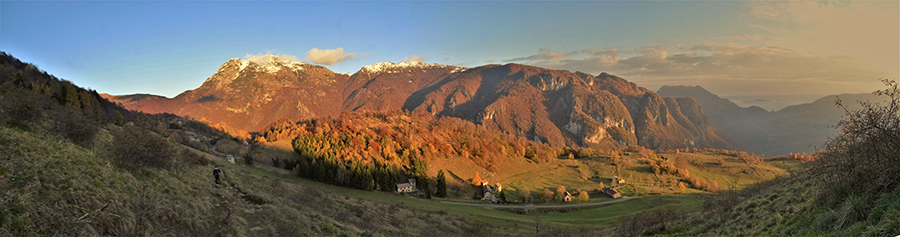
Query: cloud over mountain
(330, 56)
(414, 58)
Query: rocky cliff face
(551, 106)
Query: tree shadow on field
(456, 177)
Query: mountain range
(794, 129)
(557, 107)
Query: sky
(750, 51)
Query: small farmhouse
(567, 196)
(407, 187)
(617, 180)
(612, 192)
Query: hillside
(560, 108)
(54, 187)
(72, 168)
(373, 150)
(796, 128)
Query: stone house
(407, 187)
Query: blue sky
(166, 48)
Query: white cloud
(330, 56)
(414, 58)
(269, 57)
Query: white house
(407, 187)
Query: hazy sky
(744, 48)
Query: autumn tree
(476, 180)
(526, 195)
(560, 193)
(680, 163)
(583, 196)
(681, 187)
(546, 195)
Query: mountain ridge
(558, 107)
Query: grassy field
(584, 174)
(587, 173)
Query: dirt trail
(542, 207)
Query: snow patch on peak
(244, 64)
(387, 66)
(459, 69)
(268, 66)
(275, 66)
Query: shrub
(136, 148)
(73, 125)
(862, 161)
(19, 107)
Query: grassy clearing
(587, 174)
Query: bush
(136, 148)
(863, 159)
(860, 165)
(18, 107)
(70, 123)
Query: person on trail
(216, 172)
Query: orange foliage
(396, 137)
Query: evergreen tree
(441, 184)
(425, 185)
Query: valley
(124, 172)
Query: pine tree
(441, 184)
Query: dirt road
(530, 206)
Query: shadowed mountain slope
(794, 129)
